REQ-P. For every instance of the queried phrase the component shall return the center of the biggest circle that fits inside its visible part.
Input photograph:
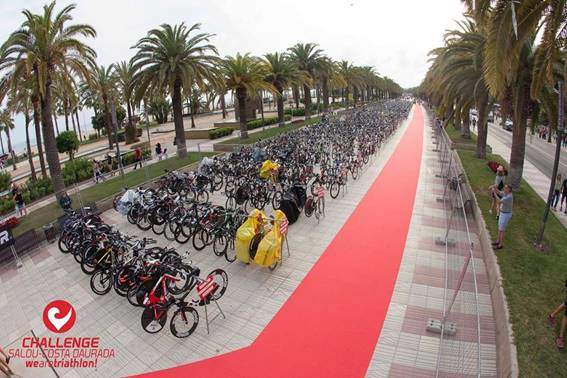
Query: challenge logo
(59, 316)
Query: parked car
(490, 117)
(508, 125)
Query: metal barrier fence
(460, 344)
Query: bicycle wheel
(202, 196)
(200, 239)
(159, 228)
(335, 190)
(149, 322)
(62, 243)
(230, 203)
(131, 295)
(184, 322)
(143, 222)
(230, 251)
(221, 279)
(123, 280)
(276, 200)
(101, 281)
(179, 235)
(218, 182)
(220, 243)
(354, 172)
(169, 231)
(309, 206)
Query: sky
(394, 36)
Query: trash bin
(50, 232)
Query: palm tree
(103, 83)
(20, 102)
(124, 72)
(308, 58)
(282, 72)
(509, 66)
(7, 124)
(48, 42)
(245, 75)
(172, 59)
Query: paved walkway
(405, 348)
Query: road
(538, 152)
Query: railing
(459, 327)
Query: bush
(67, 143)
(219, 133)
(93, 136)
(6, 205)
(5, 180)
(77, 170)
(37, 189)
(267, 121)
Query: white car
(508, 125)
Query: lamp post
(539, 242)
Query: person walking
(505, 201)
(158, 150)
(138, 157)
(560, 341)
(556, 191)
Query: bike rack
(221, 313)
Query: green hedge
(5, 180)
(31, 191)
(267, 121)
(77, 170)
(219, 133)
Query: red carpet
(330, 325)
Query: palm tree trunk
(176, 99)
(223, 105)
(518, 149)
(261, 103)
(52, 156)
(325, 90)
(27, 121)
(2, 144)
(192, 105)
(10, 149)
(295, 92)
(66, 113)
(38, 139)
(73, 122)
(130, 132)
(307, 97)
(466, 124)
(241, 98)
(482, 126)
(78, 124)
(280, 105)
(108, 122)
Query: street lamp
(539, 242)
